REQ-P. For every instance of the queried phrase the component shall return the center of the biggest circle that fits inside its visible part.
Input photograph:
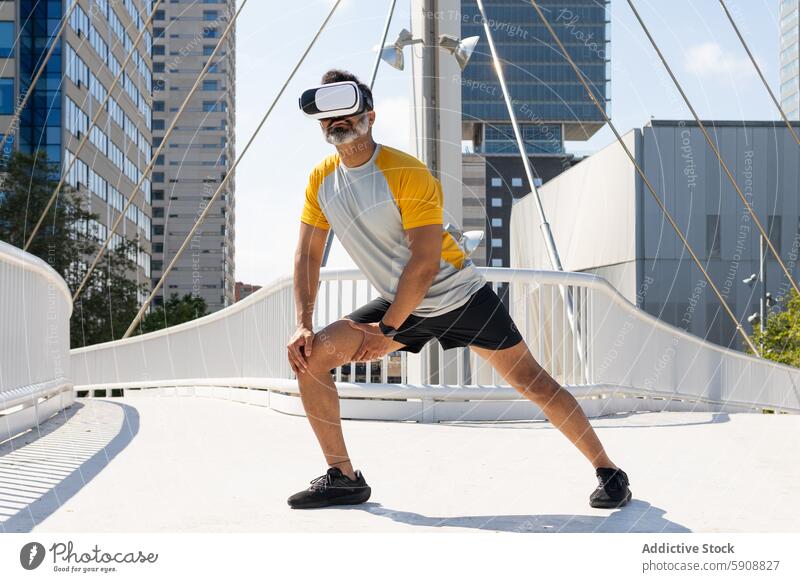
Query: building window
(713, 235)
(497, 242)
(497, 182)
(6, 39)
(498, 222)
(497, 202)
(516, 182)
(7, 96)
(497, 262)
(210, 85)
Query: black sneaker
(332, 488)
(613, 489)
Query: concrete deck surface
(186, 464)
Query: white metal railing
(35, 307)
(623, 359)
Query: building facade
(199, 151)
(790, 58)
(244, 290)
(96, 41)
(605, 221)
(550, 103)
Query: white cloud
(710, 60)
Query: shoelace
(321, 482)
(614, 479)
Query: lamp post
(765, 300)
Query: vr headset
(341, 99)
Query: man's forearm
(414, 283)
(306, 282)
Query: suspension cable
(92, 125)
(644, 178)
(758, 70)
(40, 70)
(552, 251)
(158, 151)
(376, 64)
(227, 177)
(716, 151)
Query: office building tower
(96, 41)
(198, 153)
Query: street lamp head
(460, 49)
(472, 240)
(754, 319)
(392, 54)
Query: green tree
(176, 310)
(108, 303)
(782, 335)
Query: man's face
(342, 130)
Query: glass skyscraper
(790, 74)
(95, 43)
(550, 103)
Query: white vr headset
(334, 100)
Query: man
(387, 210)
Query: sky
(694, 35)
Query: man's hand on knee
(299, 348)
(374, 345)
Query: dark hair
(338, 75)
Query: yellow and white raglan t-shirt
(370, 206)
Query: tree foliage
(108, 303)
(782, 335)
(174, 311)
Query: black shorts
(482, 321)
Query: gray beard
(344, 135)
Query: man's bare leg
(519, 368)
(333, 346)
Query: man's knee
(533, 380)
(333, 345)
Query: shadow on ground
(41, 469)
(636, 517)
(715, 418)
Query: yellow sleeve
(312, 213)
(420, 198)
